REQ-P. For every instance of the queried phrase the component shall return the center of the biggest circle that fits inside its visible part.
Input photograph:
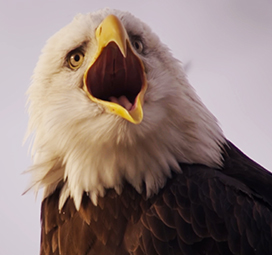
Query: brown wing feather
(201, 211)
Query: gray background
(226, 45)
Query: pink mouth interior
(123, 101)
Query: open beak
(115, 78)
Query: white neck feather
(90, 150)
(91, 154)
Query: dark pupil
(137, 46)
(77, 57)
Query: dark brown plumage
(201, 211)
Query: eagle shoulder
(203, 209)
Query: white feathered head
(109, 103)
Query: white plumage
(76, 140)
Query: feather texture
(95, 150)
(201, 211)
(171, 185)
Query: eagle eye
(75, 59)
(138, 45)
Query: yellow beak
(116, 72)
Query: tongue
(123, 101)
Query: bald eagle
(130, 160)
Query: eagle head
(109, 103)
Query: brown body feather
(201, 211)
